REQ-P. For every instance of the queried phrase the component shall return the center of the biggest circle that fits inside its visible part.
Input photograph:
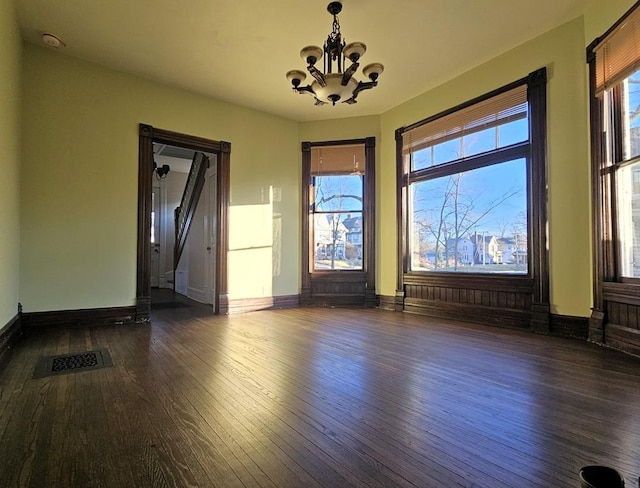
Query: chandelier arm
(349, 72)
(331, 84)
(364, 85)
(305, 89)
(317, 74)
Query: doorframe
(212, 207)
(146, 137)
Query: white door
(155, 237)
(212, 223)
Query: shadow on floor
(166, 299)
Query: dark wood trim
(516, 151)
(538, 222)
(622, 338)
(477, 314)
(387, 302)
(190, 142)
(402, 265)
(369, 223)
(616, 301)
(224, 201)
(81, 317)
(516, 284)
(569, 326)
(621, 292)
(596, 323)
(520, 301)
(341, 142)
(305, 294)
(244, 305)
(145, 188)
(594, 44)
(9, 335)
(339, 287)
(143, 308)
(147, 136)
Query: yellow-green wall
(602, 14)
(562, 52)
(78, 201)
(10, 73)
(340, 129)
(79, 182)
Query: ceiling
(178, 158)
(239, 51)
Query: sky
(479, 188)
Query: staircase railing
(184, 213)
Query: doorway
(156, 227)
(217, 231)
(190, 275)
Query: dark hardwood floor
(316, 397)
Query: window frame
(612, 292)
(358, 284)
(483, 160)
(537, 278)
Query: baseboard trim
(386, 302)
(197, 295)
(10, 333)
(477, 314)
(243, 305)
(622, 338)
(569, 326)
(83, 317)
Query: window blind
(492, 112)
(341, 160)
(618, 54)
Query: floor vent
(72, 363)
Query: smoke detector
(52, 40)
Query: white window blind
(495, 111)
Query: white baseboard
(197, 295)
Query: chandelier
(336, 82)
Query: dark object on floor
(71, 363)
(600, 477)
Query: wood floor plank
(316, 397)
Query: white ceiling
(240, 50)
(179, 159)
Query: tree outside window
(338, 187)
(467, 188)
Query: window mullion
(517, 151)
(617, 123)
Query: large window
(338, 241)
(622, 143)
(337, 182)
(614, 64)
(472, 210)
(467, 188)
